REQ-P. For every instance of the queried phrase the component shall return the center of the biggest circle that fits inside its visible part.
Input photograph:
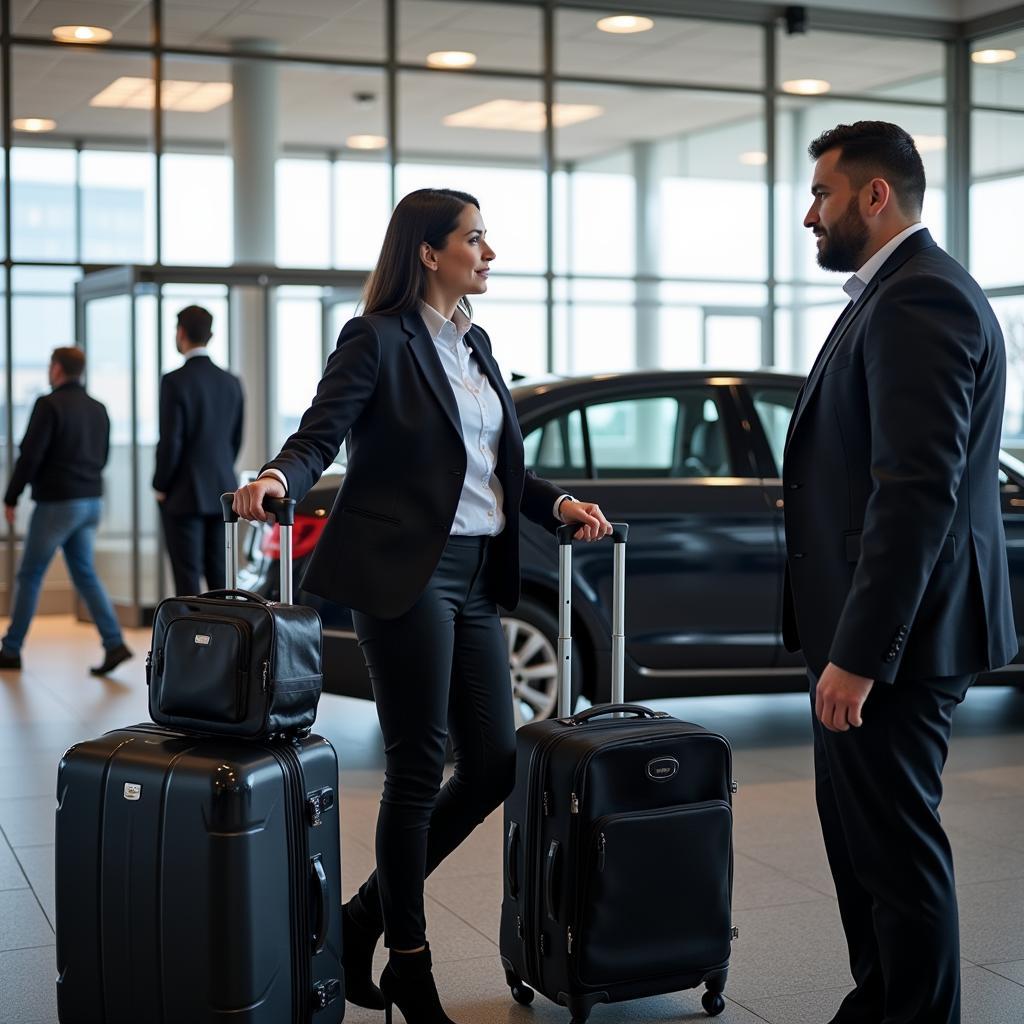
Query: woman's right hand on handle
(248, 501)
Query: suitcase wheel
(713, 1003)
(521, 992)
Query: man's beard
(844, 242)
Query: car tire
(531, 634)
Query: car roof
(550, 385)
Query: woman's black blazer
(386, 391)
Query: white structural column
(648, 237)
(254, 147)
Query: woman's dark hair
(869, 149)
(398, 281)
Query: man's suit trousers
(195, 546)
(878, 790)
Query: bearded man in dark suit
(897, 588)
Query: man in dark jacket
(897, 588)
(201, 410)
(62, 457)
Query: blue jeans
(70, 525)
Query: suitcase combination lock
(318, 802)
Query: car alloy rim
(533, 665)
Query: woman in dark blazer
(422, 545)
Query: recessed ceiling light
(366, 142)
(184, 97)
(930, 143)
(625, 24)
(521, 115)
(451, 59)
(82, 34)
(993, 56)
(754, 158)
(33, 124)
(806, 86)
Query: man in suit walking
(63, 453)
(201, 410)
(897, 587)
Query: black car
(691, 460)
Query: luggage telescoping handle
(283, 509)
(620, 533)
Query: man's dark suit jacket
(386, 390)
(896, 551)
(201, 410)
(65, 447)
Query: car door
(1011, 488)
(703, 559)
(769, 407)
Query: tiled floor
(789, 964)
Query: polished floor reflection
(789, 964)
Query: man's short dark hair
(71, 360)
(877, 149)
(197, 323)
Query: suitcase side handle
(613, 709)
(511, 860)
(550, 870)
(240, 595)
(323, 904)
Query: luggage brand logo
(662, 768)
(132, 791)
(202, 638)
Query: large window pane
(127, 22)
(997, 70)
(801, 121)
(669, 50)
(76, 95)
(303, 193)
(596, 327)
(514, 314)
(804, 315)
(712, 325)
(118, 207)
(1010, 310)
(362, 206)
(329, 28)
(997, 174)
(482, 136)
(497, 35)
(871, 65)
(197, 178)
(673, 190)
(298, 357)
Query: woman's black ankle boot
(357, 945)
(408, 982)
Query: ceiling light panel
(521, 115)
(625, 24)
(33, 124)
(183, 97)
(82, 34)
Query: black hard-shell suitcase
(618, 845)
(197, 881)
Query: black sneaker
(113, 658)
(8, 660)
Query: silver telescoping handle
(283, 509)
(620, 534)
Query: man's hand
(9, 513)
(594, 525)
(248, 501)
(160, 496)
(839, 698)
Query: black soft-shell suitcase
(197, 881)
(618, 845)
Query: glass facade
(655, 221)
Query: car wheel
(531, 633)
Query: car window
(555, 449)
(665, 436)
(774, 407)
